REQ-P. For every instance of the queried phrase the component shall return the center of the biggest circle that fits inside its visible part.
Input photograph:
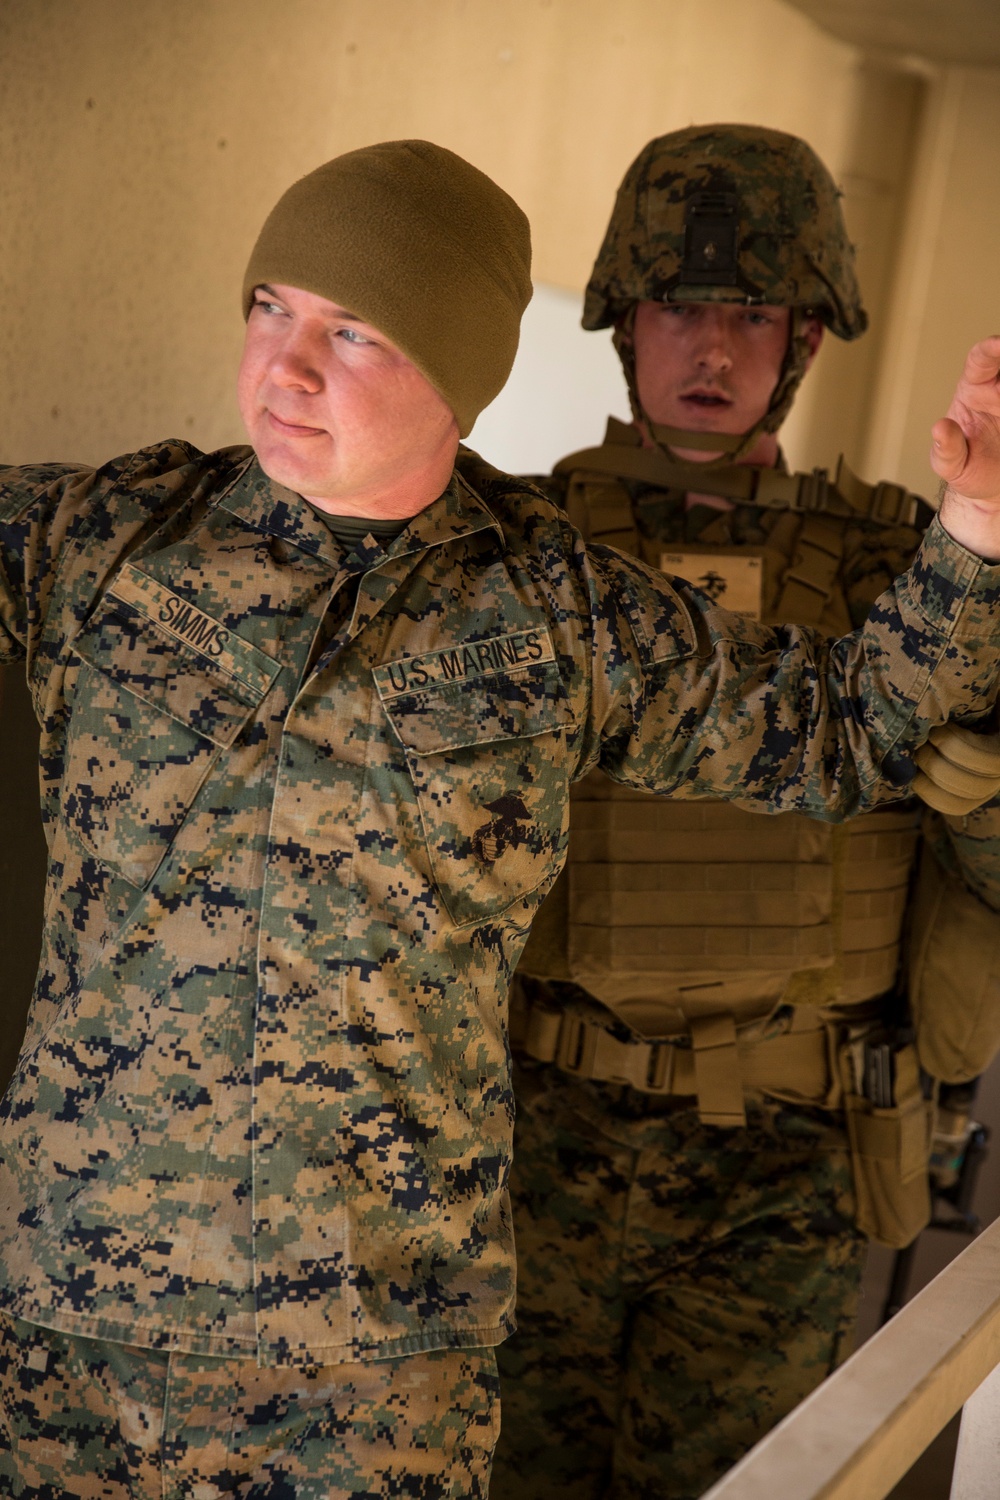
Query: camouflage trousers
(680, 1288)
(83, 1418)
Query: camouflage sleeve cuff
(953, 589)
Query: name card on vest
(734, 580)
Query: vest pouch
(155, 704)
(890, 1152)
(677, 908)
(954, 976)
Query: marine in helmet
(715, 1015)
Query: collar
(265, 505)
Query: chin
(290, 477)
(722, 422)
(283, 469)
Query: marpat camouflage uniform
(88, 1418)
(263, 1108)
(682, 1286)
(701, 996)
(679, 1287)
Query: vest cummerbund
(676, 908)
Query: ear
(624, 327)
(813, 331)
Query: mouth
(706, 400)
(292, 429)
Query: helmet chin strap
(728, 447)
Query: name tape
(433, 669)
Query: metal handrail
(860, 1431)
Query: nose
(294, 365)
(713, 350)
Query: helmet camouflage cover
(728, 213)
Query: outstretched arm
(965, 453)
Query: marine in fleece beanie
(421, 245)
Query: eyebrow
(265, 286)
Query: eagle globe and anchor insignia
(506, 830)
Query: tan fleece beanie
(421, 245)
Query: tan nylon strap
(768, 488)
(715, 1068)
(586, 1049)
(651, 466)
(811, 578)
(705, 442)
(607, 518)
(647, 1068)
(541, 1035)
(717, 1071)
(889, 504)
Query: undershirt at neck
(351, 529)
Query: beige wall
(142, 141)
(947, 286)
(833, 412)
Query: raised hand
(965, 452)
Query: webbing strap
(770, 489)
(811, 577)
(715, 1064)
(717, 1071)
(707, 442)
(607, 518)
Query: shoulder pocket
(487, 760)
(152, 711)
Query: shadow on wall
(22, 863)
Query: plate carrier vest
(694, 920)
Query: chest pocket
(150, 716)
(487, 759)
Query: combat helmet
(728, 213)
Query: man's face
(336, 412)
(709, 366)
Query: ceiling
(948, 31)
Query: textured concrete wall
(946, 290)
(143, 141)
